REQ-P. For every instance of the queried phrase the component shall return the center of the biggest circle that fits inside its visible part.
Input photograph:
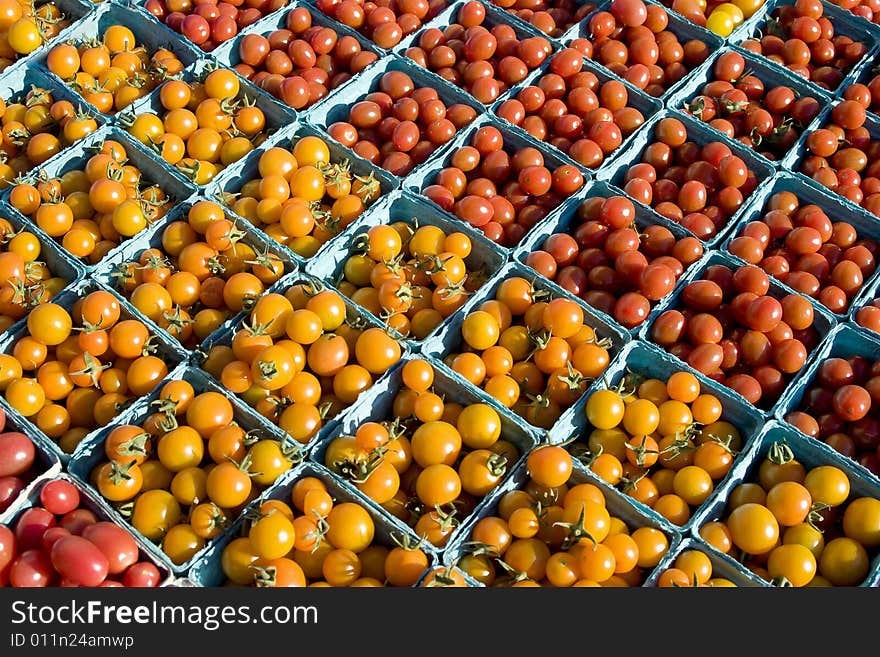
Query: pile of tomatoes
(485, 60)
(800, 37)
(633, 40)
(300, 197)
(552, 17)
(20, 463)
(607, 260)
(663, 443)
(27, 282)
(571, 109)
(75, 368)
(842, 153)
(25, 27)
(399, 125)
(91, 210)
(534, 353)
(839, 407)
(502, 190)
(700, 186)
(301, 62)
(299, 359)
(188, 468)
(867, 9)
(795, 525)
(733, 328)
(411, 277)
(556, 530)
(62, 542)
(432, 462)
(202, 273)
(386, 23)
(36, 126)
(208, 24)
(767, 119)
(318, 540)
(721, 17)
(203, 126)
(798, 244)
(113, 72)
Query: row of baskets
(759, 436)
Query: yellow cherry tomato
(721, 23)
(735, 12)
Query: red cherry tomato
(77, 520)
(142, 574)
(59, 497)
(79, 561)
(30, 526)
(17, 454)
(31, 569)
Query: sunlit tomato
(549, 466)
(753, 528)
(350, 527)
